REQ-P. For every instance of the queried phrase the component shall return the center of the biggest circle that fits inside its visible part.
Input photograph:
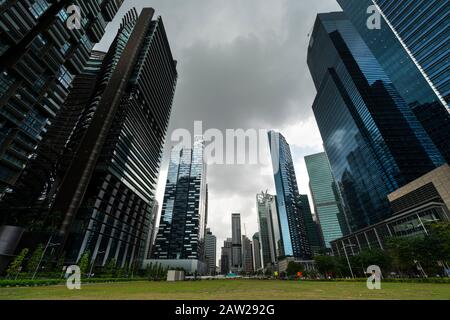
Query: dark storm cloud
(242, 64)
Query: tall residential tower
(40, 54)
(182, 228)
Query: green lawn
(232, 290)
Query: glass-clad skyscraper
(269, 232)
(257, 263)
(373, 140)
(39, 58)
(291, 220)
(182, 227)
(100, 196)
(313, 232)
(326, 199)
(412, 46)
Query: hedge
(53, 282)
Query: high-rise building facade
(182, 228)
(326, 198)
(269, 232)
(411, 44)
(210, 251)
(102, 197)
(40, 54)
(226, 256)
(236, 257)
(152, 230)
(257, 260)
(373, 140)
(247, 255)
(291, 220)
(313, 232)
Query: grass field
(231, 290)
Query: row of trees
(26, 264)
(403, 256)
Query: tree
(401, 250)
(110, 268)
(84, 262)
(15, 266)
(439, 241)
(326, 264)
(376, 257)
(293, 268)
(35, 259)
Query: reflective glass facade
(412, 47)
(313, 232)
(182, 227)
(257, 261)
(373, 140)
(326, 198)
(291, 220)
(267, 208)
(39, 58)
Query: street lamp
(93, 262)
(346, 256)
(49, 244)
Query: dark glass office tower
(247, 255)
(291, 219)
(182, 228)
(327, 202)
(313, 232)
(39, 58)
(225, 257)
(373, 140)
(412, 47)
(102, 195)
(257, 261)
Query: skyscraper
(374, 142)
(39, 57)
(313, 232)
(236, 252)
(182, 227)
(102, 195)
(327, 202)
(247, 254)
(226, 256)
(257, 262)
(412, 47)
(269, 232)
(152, 231)
(291, 221)
(210, 251)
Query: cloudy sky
(241, 64)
